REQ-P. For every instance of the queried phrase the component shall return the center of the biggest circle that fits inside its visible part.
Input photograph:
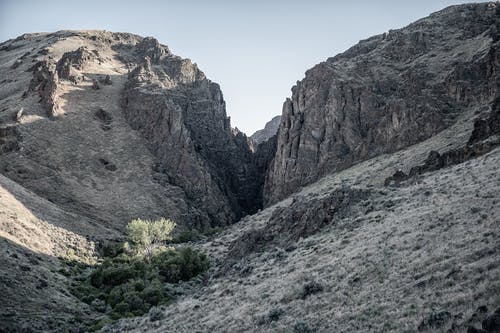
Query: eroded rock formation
(71, 64)
(44, 81)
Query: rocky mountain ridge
(386, 93)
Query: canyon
(370, 204)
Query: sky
(256, 50)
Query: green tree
(147, 235)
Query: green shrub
(99, 324)
(192, 263)
(275, 314)
(111, 249)
(310, 288)
(116, 275)
(121, 307)
(212, 231)
(115, 296)
(130, 285)
(154, 293)
(134, 301)
(181, 265)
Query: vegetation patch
(132, 276)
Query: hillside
(405, 241)
(96, 129)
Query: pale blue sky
(256, 50)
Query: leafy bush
(111, 249)
(130, 286)
(182, 265)
(99, 324)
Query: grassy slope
(426, 247)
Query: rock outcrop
(72, 63)
(484, 137)
(269, 130)
(44, 81)
(386, 93)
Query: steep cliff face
(386, 93)
(182, 115)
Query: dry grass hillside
(34, 234)
(421, 256)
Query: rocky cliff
(386, 93)
(182, 115)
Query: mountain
(113, 127)
(269, 130)
(386, 93)
(373, 209)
